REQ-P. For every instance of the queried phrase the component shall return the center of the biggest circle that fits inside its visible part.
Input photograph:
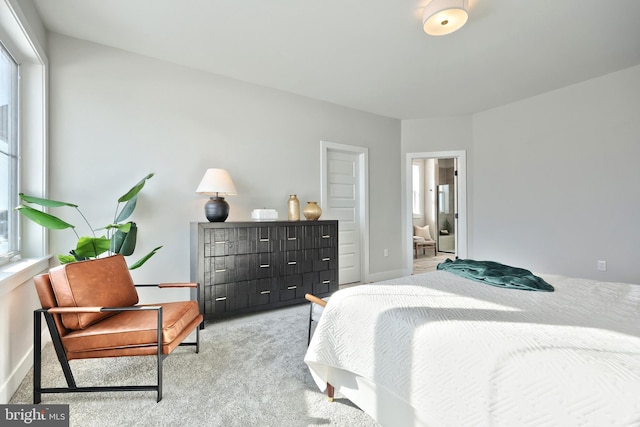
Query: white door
(455, 206)
(343, 204)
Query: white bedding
(441, 350)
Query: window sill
(17, 272)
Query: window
(8, 154)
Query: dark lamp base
(216, 209)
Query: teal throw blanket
(496, 274)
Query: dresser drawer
(291, 237)
(263, 292)
(292, 262)
(294, 287)
(325, 259)
(232, 268)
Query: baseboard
(20, 372)
(387, 275)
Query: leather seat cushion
(133, 328)
(102, 282)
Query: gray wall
(556, 180)
(116, 116)
(552, 180)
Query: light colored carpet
(249, 372)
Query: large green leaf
(144, 259)
(45, 202)
(43, 219)
(128, 209)
(125, 243)
(66, 259)
(135, 190)
(91, 247)
(129, 244)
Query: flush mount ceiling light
(442, 17)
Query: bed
(436, 349)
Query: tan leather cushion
(102, 282)
(133, 329)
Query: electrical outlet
(602, 265)
(386, 252)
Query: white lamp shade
(216, 182)
(442, 17)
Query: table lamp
(216, 183)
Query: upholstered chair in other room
(422, 239)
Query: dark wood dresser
(250, 266)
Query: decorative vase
(294, 208)
(312, 211)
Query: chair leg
(310, 321)
(62, 356)
(37, 358)
(198, 339)
(160, 357)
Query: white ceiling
(371, 55)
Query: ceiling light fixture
(442, 17)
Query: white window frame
(10, 152)
(20, 39)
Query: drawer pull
(292, 238)
(326, 259)
(326, 282)
(221, 298)
(264, 265)
(264, 240)
(264, 292)
(221, 271)
(326, 236)
(220, 242)
(292, 263)
(291, 287)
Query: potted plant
(120, 236)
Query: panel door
(343, 189)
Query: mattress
(436, 349)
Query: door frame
(362, 196)
(461, 232)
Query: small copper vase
(312, 211)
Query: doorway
(444, 198)
(343, 189)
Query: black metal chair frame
(38, 390)
(310, 297)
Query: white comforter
(463, 353)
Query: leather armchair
(92, 311)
